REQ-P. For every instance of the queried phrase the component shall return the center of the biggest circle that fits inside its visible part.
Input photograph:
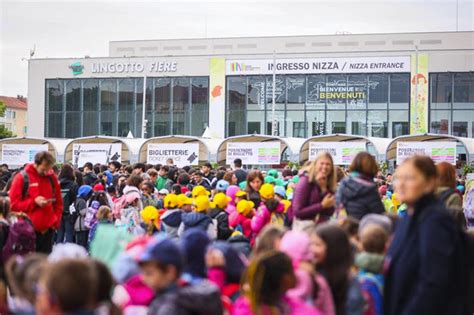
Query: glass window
(463, 91)
(73, 95)
(336, 122)
(108, 122)
(462, 119)
(378, 91)
(139, 95)
(73, 125)
(236, 122)
(126, 123)
(356, 120)
(162, 94)
(126, 94)
(316, 123)
(181, 107)
(55, 125)
(399, 91)
(296, 92)
(356, 91)
(440, 121)
(162, 125)
(90, 123)
(333, 93)
(90, 94)
(254, 127)
(295, 126)
(441, 90)
(200, 105)
(108, 94)
(280, 92)
(55, 95)
(377, 123)
(316, 86)
(398, 122)
(256, 93)
(280, 119)
(236, 89)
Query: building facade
(381, 85)
(15, 118)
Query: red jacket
(43, 218)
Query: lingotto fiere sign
(444, 151)
(254, 153)
(342, 152)
(182, 153)
(391, 64)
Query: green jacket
(161, 182)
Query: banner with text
(389, 64)
(438, 151)
(254, 153)
(102, 153)
(342, 152)
(182, 153)
(19, 154)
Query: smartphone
(51, 200)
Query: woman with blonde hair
(313, 197)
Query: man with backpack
(36, 192)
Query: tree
(4, 132)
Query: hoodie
(222, 218)
(265, 216)
(170, 221)
(359, 196)
(197, 220)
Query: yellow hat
(200, 191)
(221, 200)
(240, 193)
(267, 191)
(170, 201)
(183, 200)
(202, 203)
(245, 207)
(149, 214)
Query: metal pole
(415, 117)
(273, 96)
(143, 108)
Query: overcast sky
(79, 28)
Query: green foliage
(294, 165)
(5, 133)
(467, 169)
(383, 167)
(3, 109)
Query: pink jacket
(264, 217)
(296, 307)
(236, 219)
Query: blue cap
(84, 190)
(460, 188)
(165, 251)
(280, 190)
(222, 185)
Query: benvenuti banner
(419, 94)
(217, 95)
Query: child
(185, 203)
(269, 239)
(161, 265)
(194, 245)
(200, 191)
(268, 279)
(171, 218)
(67, 287)
(280, 195)
(311, 286)
(270, 211)
(373, 239)
(199, 218)
(82, 233)
(219, 214)
(241, 220)
(151, 219)
(130, 214)
(230, 192)
(333, 256)
(149, 198)
(104, 216)
(225, 268)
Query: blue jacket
(423, 264)
(196, 220)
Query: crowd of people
(159, 239)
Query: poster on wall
(182, 153)
(342, 152)
(253, 153)
(19, 154)
(217, 94)
(438, 151)
(419, 94)
(102, 153)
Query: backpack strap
(26, 183)
(445, 195)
